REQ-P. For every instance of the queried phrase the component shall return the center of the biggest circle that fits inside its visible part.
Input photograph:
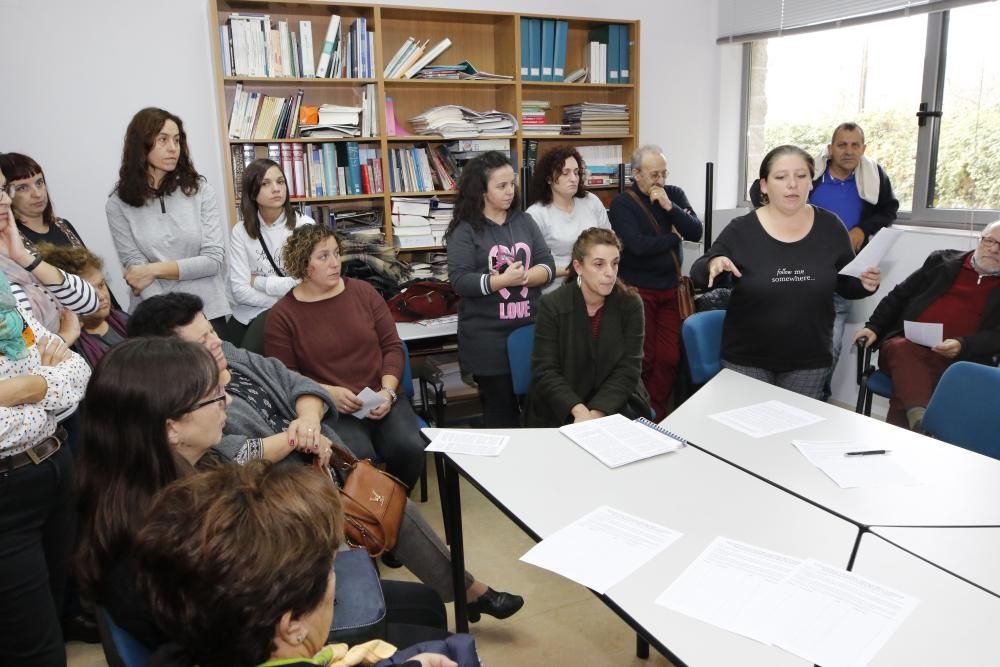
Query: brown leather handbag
(685, 288)
(373, 502)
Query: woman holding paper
(256, 276)
(587, 359)
(783, 259)
(339, 332)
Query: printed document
(873, 253)
(369, 401)
(468, 442)
(835, 618)
(616, 440)
(763, 419)
(730, 585)
(850, 472)
(602, 548)
(928, 334)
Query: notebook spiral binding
(660, 429)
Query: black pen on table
(868, 452)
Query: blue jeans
(841, 311)
(37, 529)
(393, 439)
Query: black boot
(498, 605)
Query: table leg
(441, 472)
(454, 521)
(641, 647)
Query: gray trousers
(424, 553)
(808, 382)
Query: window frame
(928, 135)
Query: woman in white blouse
(563, 208)
(256, 274)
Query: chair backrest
(702, 333)
(253, 337)
(963, 408)
(120, 648)
(520, 344)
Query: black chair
(871, 381)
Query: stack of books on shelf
(421, 169)
(533, 118)
(465, 71)
(453, 121)
(359, 225)
(461, 151)
(252, 45)
(412, 57)
(334, 120)
(595, 118)
(607, 54)
(543, 49)
(256, 117)
(601, 164)
(413, 225)
(318, 170)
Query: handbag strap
(345, 460)
(656, 228)
(267, 252)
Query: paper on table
(601, 548)
(923, 333)
(369, 401)
(835, 618)
(872, 254)
(729, 585)
(853, 471)
(616, 440)
(468, 442)
(767, 418)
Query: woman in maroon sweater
(339, 332)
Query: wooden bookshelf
(489, 40)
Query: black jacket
(910, 298)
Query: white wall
(75, 73)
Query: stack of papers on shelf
(453, 121)
(334, 120)
(420, 222)
(464, 71)
(596, 118)
(820, 613)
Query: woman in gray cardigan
(164, 219)
(587, 359)
(266, 399)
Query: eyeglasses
(989, 242)
(656, 175)
(218, 399)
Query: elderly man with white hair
(961, 290)
(651, 218)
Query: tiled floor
(561, 623)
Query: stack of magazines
(595, 118)
(453, 121)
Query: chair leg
(641, 647)
(439, 468)
(423, 484)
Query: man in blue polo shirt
(857, 189)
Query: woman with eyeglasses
(959, 289)
(164, 218)
(32, 206)
(257, 276)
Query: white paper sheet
(468, 442)
(616, 440)
(871, 255)
(369, 401)
(729, 585)
(767, 418)
(928, 334)
(835, 618)
(601, 548)
(850, 472)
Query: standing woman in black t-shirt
(784, 259)
(36, 221)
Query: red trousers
(915, 371)
(661, 349)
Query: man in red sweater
(955, 288)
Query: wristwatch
(391, 393)
(34, 264)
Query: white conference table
(956, 487)
(543, 482)
(954, 624)
(970, 553)
(412, 331)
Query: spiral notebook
(616, 440)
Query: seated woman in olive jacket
(587, 359)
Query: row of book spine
(259, 117)
(420, 169)
(252, 45)
(543, 51)
(318, 170)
